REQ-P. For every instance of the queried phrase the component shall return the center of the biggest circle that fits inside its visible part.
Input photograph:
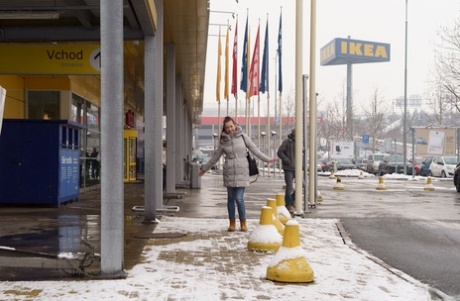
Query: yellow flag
(219, 54)
(226, 65)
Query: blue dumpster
(39, 162)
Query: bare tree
(448, 65)
(375, 117)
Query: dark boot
(232, 226)
(244, 227)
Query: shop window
(43, 104)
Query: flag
(235, 57)
(264, 74)
(244, 63)
(219, 53)
(280, 71)
(254, 74)
(226, 65)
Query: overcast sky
(369, 20)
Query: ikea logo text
(363, 49)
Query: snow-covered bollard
(283, 213)
(265, 237)
(276, 221)
(332, 176)
(429, 186)
(290, 263)
(381, 185)
(361, 175)
(338, 184)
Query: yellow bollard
(265, 237)
(428, 186)
(320, 198)
(283, 213)
(332, 176)
(381, 185)
(361, 175)
(338, 184)
(276, 221)
(290, 263)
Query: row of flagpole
(253, 82)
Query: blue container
(39, 162)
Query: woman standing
(233, 144)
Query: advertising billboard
(343, 51)
(342, 149)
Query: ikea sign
(344, 51)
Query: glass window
(43, 104)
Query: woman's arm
(215, 157)
(256, 151)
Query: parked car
(362, 164)
(417, 165)
(457, 177)
(425, 166)
(443, 166)
(373, 162)
(394, 164)
(342, 164)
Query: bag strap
(242, 135)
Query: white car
(443, 166)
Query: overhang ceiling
(185, 26)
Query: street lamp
(263, 134)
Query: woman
(233, 144)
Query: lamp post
(263, 134)
(405, 98)
(273, 134)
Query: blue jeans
(289, 176)
(235, 194)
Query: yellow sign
(50, 59)
(348, 51)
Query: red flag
(235, 55)
(254, 74)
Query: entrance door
(130, 151)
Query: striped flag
(264, 74)
(235, 57)
(254, 75)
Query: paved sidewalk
(191, 256)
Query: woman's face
(229, 127)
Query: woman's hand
(202, 172)
(272, 160)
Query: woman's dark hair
(227, 119)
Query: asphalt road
(409, 228)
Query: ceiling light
(28, 15)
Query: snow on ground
(209, 263)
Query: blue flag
(264, 74)
(244, 64)
(280, 73)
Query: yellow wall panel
(88, 87)
(47, 83)
(14, 101)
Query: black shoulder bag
(253, 169)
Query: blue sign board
(366, 139)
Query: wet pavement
(75, 227)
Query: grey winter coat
(286, 152)
(236, 168)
